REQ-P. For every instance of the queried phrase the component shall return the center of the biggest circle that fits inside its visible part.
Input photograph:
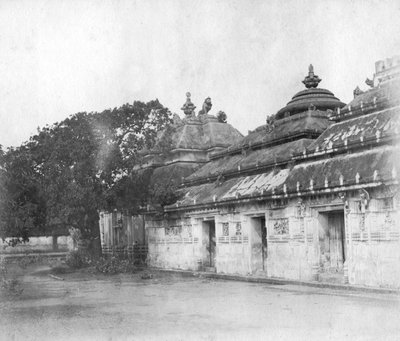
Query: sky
(61, 57)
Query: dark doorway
(264, 241)
(332, 240)
(209, 241)
(259, 247)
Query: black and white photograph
(199, 170)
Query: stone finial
(357, 92)
(369, 82)
(312, 80)
(221, 116)
(206, 106)
(270, 124)
(188, 107)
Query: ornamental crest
(281, 226)
(225, 229)
(389, 222)
(238, 229)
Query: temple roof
(251, 159)
(383, 96)
(359, 129)
(205, 135)
(197, 135)
(279, 160)
(319, 98)
(309, 124)
(369, 168)
(191, 139)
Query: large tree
(74, 168)
(22, 208)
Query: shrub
(24, 262)
(115, 265)
(78, 259)
(13, 285)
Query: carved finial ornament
(188, 107)
(312, 80)
(369, 82)
(270, 124)
(357, 91)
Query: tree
(22, 207)
(85, 163)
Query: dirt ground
(85, 306)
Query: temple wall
(374, 244)
(233, 251)
(300, 242)
(174, 244)
(290, 252)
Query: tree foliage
(21, 203)
(67, 172)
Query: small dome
(312, 97)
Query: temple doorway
(209, 242)
(332, 242)
(259, 247)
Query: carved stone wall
(293, 238)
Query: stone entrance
(332, 245)
(258, 244)
(209, 244)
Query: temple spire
(312, 80)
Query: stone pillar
(348, 242)
(315, 269)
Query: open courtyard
(167, 306)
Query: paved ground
(174, 307)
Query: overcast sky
(61, 57)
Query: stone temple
(312, 195)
